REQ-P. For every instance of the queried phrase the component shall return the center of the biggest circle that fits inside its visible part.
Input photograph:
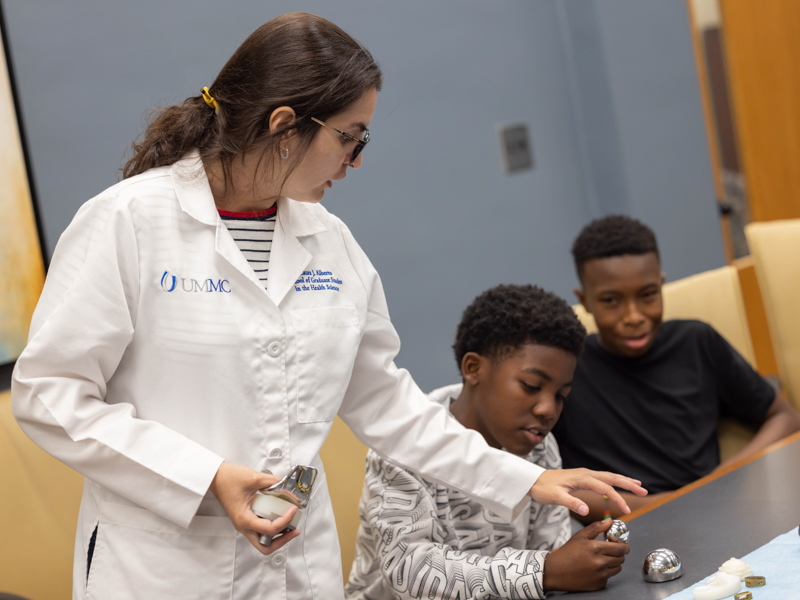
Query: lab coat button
(276, 453)
(278, 560)
(274, 349)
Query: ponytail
(173, 132)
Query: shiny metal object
(755, 581)
(294, 488)
(661, 565)
(743, 596)
(618, 532)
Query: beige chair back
(39, 505)
(344, 459)
(775, 246)
(714, 297)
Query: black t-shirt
(654, 417)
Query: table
(728, 513)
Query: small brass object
(743, 596)
(755, 581)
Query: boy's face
(623, 293)
(520, 397)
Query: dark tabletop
(728, 517)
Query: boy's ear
(471, 367)
(581, 297)
(663, 277)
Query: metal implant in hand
(292, 490)
(618, 532)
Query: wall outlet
(515, 148)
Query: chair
(714, 297)
(344, 458)
(38, 515)
(775, 246)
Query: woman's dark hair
(298, 60)
(504, 318)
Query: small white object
(276, 453)
(737, 567)
(268, 506)
(721, 586)
(274, 348)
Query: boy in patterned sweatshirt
(516, 347)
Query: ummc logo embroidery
(169, 283)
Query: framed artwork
(22, 256)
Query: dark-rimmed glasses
(359, 143)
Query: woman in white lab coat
(167, 371)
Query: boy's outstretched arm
(557, 486)
(781, 420)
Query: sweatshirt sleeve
(80, 330)
(550, 526)
(409, 545)
(388, 412)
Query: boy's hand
(554, 487)
(584, 564)
(234, 486)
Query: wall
(431, 206)
(641, 123)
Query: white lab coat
(155, 354)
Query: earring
(284, 153)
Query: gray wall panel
(431, 205)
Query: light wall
(608, 90)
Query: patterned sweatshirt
(418, 539)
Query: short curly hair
(614, 235)
(503, 319)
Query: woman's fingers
(266, 526)
(604, 489)
(554, 487)
(255, 527)
(564, 498)
(620, 481)
(277, 543)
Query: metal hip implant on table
(293, 490)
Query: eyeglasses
(359, 143)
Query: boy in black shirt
(647, 395)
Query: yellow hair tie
(210, 99)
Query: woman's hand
(584, 564)
(234, 486)
(554, 487)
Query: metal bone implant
(294, 488)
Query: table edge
(716, 474)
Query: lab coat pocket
(140, 556)
(327, 343)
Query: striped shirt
(252, 232)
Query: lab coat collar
(194, 195)
(191, 187)
(288, 257)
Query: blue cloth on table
(778, 561)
